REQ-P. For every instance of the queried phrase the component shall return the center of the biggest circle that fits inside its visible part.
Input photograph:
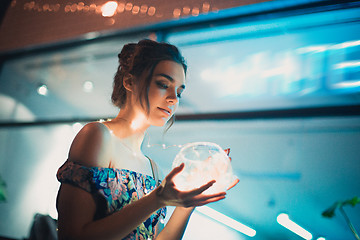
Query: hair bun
(126, 55)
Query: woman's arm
(77, 209)
(175, 228)
(176, 225)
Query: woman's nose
(172, 97)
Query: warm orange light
(121, 7)
(56, 7)
(92, 7)
(151, 11)
(73, 7)
(206, 7)
(135, 10)
(67, 8)
(186, 10)
(143, 9)
(195, 11)
(109, 9)
(176, 13)
(128, 6)
(80, 6)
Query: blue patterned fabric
(118, 187)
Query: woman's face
(166, 86)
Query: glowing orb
(204, 161)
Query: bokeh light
(109, 9)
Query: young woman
(108, 187)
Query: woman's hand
(171, 196)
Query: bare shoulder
(91, 146)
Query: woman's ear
(128, 82)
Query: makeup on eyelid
(162, 85)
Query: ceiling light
(284, 220)
(226, 220)
(88, 86)
(42, 90)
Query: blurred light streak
(284, 220)
(347, 84)
(347, 44)
(350, 64)
(313, 49)
(91, 35)
(226, 220)
(265, 26)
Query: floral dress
(113, 189)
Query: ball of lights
(204, 161)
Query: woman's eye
(161, 85)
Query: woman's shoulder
(91, 146)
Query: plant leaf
(330, 212)
(352, 202)
(2, 190)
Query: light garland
(120, 7)
(148, 145)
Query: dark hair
(138, 58)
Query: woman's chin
(160, 122)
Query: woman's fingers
(201, 189)
(205, 199)
(175, 171)
(236, 181)
(201, 203)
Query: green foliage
(330, 212)
(2, 190)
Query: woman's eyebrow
(169, 78)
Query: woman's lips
(167, 112)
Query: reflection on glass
(302, 71)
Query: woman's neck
(130, 129)
(133, 142)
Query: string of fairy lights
(77, 126)
(111, 8)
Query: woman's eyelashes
(163, 85)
